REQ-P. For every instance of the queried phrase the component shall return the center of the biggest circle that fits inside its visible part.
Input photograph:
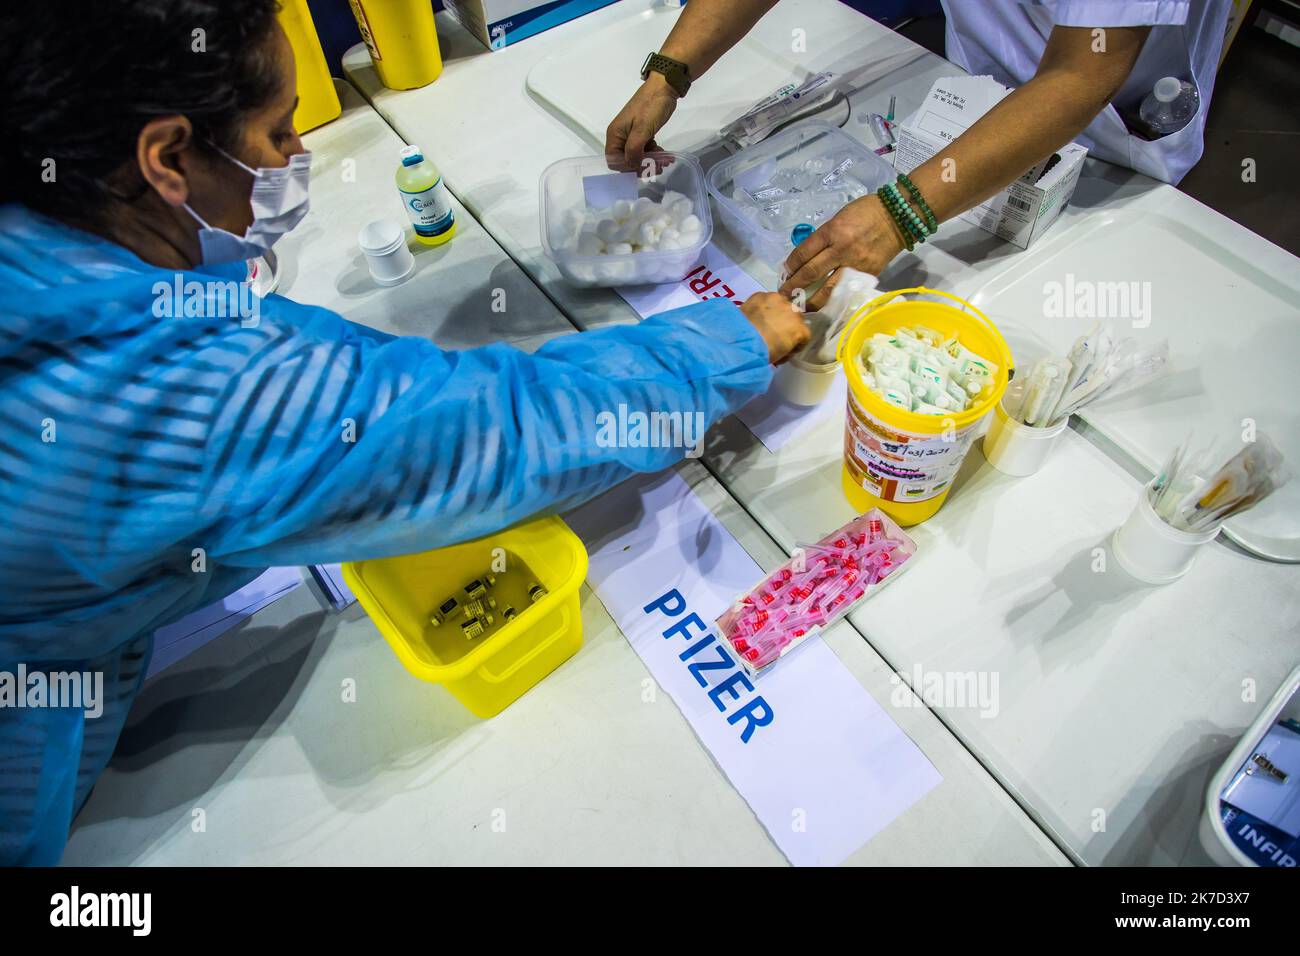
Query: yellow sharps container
(402, 40)
(318, 102)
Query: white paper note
(603, 190)
(774, 421)
(714, 276)
(821, 764)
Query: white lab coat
(1006, 39)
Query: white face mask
(279, 202)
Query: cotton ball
(627, 231)
(648, 234)
(643, 206)
(590, 246)
(661, 221)
(620, 249)
(683, 207)
(622, 209)
(607, 230)
(671, 196)
(690, 223)
(669, 235)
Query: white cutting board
(1227, 300)
(590, 82)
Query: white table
(246, 752)
(1129, 723)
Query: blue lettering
(662, 604)
(746, 714)
(723, 663)
(695, 648)
(681, 626)
(729, 686)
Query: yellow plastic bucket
(900, 461)
(485, 675)
(402, 39)
(318, 101)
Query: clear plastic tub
(562, 197)
(806, 173)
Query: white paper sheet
(715, 276)
(603, 190)
(773, 421)
(821, 764)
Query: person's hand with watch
(704, 31)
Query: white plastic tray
(743, 76)
(1233, 326)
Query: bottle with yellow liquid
(402, 39)
(425, 197)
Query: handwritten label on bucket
(899, 466)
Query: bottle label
(363, 27)
(430, 210)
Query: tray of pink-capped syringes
(818, 585)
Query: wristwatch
(676, 72)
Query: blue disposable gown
(129, 440)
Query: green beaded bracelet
(920, 201)
(892, 202)
(908, 244)
(918, 228)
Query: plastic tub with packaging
(401, 593)
(805, 173)
(901, 461)
(564, 199)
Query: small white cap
(1168, 88)
(380, 235)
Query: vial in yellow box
(425, 197)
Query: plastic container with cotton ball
(608, 227)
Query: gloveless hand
(861, 235)
(633, 130)
(779, 322)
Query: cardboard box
(1021, 212)
(498, 23)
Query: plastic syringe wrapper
(820, 584)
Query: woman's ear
(164, 152)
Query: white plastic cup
(1015, 448)
(387, 254)
(1153, 551)
(805, 383)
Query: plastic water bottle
(1170, 106)
(425, 197)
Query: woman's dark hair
(79, 79)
